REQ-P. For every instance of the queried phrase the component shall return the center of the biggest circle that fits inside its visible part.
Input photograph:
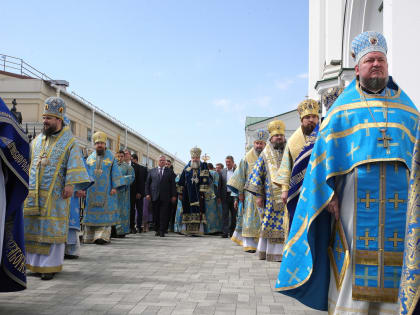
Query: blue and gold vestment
(410, 279)
(193, 184)
(101, 207)
(349, 140)
(14, 155)
(127, 173)
(56, 162)
(261, 183)
(250, 218)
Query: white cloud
(303, 75)
(283, 84)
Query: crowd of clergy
(336, 204)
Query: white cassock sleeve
(2, 207)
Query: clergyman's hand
(284, 195)
(260, 202)
(235, 204)
(113, 191)
(173, 200)
(241, 197)
(80, 193)
(334, 207)
(68, 191)
(148, 197)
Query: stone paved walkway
(144, 274)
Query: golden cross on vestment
(353, 149)
(384, 112)
(395, 239)
(289, 250)
(365, 277)
(367, 200)
(396, 201)
(293, 275)
(346, 115)
(367, 238)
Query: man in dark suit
(227, 200)
(137, 193)
(161, 190)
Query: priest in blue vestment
(14, 179)
(350, 262)
(101, 211)
(192, 185)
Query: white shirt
(229, 174)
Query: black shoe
(225, 236)
(100, 242)
(67, 256)
(157, 234)
(47, 276)
(133, 231)
(162, 235)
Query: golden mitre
(195, 152)
(99, 136)
(276, 127)
(308, 107)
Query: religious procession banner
(358, 129)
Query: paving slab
(144, 274)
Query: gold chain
(368, 106)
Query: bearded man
(101, 211)
(359, 171)
(192, 185)
(268, 195)
(248, 217)
(56, 170)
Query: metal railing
(19, 66)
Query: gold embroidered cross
(346, 115)
(395, 239)
(365, 277)
(307, 247)
(301, 194)
(367, 200)
(367, 238)
(353, 149)
(293, 275)
(396, 201)
(289, 250)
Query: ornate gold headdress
(99, 136)
(276, 127)
(308, 107)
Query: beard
(100, 151)
(374, 84)
(48, 130)
(258, 151)
(279, 145)
(195, 164)
(307, 130)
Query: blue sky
(182, 73)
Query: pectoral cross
(385, 138)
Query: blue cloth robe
(127, 173)
(213, 222)
(101, 207)
(410, 277)
(192, 185)
(304, 272)
(46, 212)
(14, 152)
